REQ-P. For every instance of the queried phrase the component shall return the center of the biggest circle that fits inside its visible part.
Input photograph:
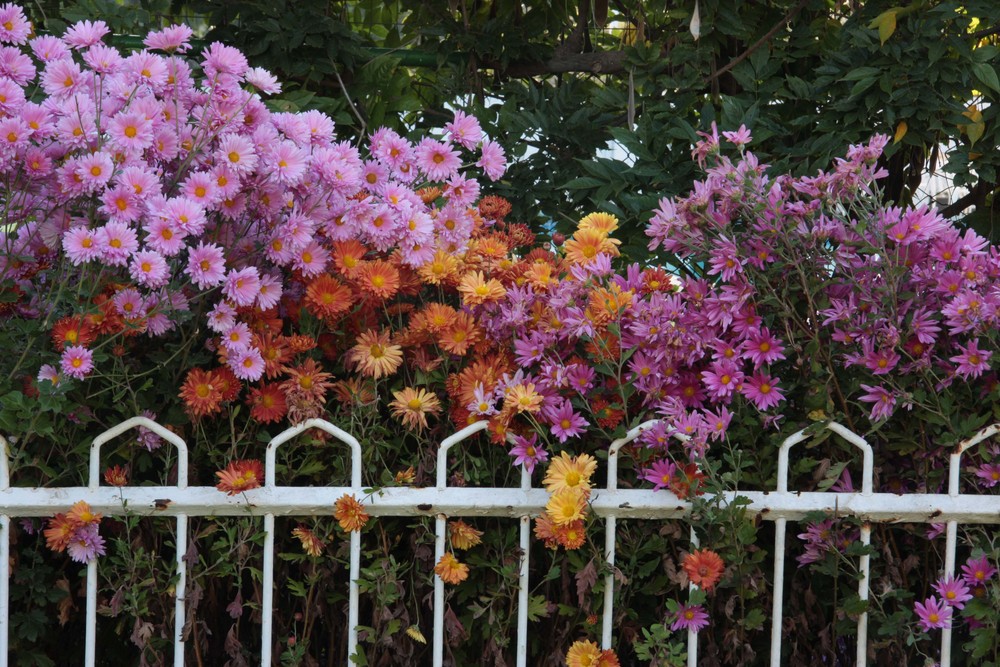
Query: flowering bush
(174, 247)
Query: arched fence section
(440, 502)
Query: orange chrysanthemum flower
(443, 267)
(354, 391)
(59, 533)
(274, 351)
(656, 280)
(429, 194)
(374, 355)
(378, 279)
(463, 536)
(566, 472)
(545, 530)
(583, 653)
(201, 393)
(567, 505)
(438, 317)
(327, 298)
(704, 568)
(462, 334)
(606, 304)
(450, 570)
(81, 514)
(306, 381)
(523, 398)
(571, 535)
(347, 255)
(586, 244)
(299, 343)
(541, 275)
(240, 476)
(267, 403)
(350, 513)
(602, 222)
(74, 330)
(406, 477)
(311, 544)
(413, 405)
(494, 207)
(227, 382)
(476, 290)
(116, 476)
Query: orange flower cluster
(350, 513)
(568, 481)
(585, 653)
(63, 527)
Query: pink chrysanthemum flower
(933, 614)
(49, 49)
(224, 60)
(262, 80)
(77, 361)
(103, 59)
(238, 338)
(172, 39)
(131, 132)
(247, 364)
(185, 214)
(222, 317)
(11, 101)
(242, 286)
(17, 66)
(83, 34)
(462, 191)
(722, 379)
(81, 245)
(201, 187)
(527, 452)
(206, 265)
(117, 242)
(311, 260)
(437, 160)
(237, 153)
(690, 617)
(14, 26)
(660, 474)
(270, 291)
(762, 390)
(288, 162)
(146, 68)
(120, 205)
(164, 237)
(148, 268)
(129, 304)
(86, 544)
(143, 183)
(492, 160)
(464, 130)
(95, 170)
(49, 373)
(954, 592)
(565, 423)
(762, 347)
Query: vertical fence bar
(4, 559)
(951, 539)
(692, 658)
(439, 534)
(522, 579)
(778, 590)
(270, 456)
(180, 590)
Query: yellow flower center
(200, 191)
(130, 132)
(234, 156)
(415, 404)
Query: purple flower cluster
(938, 611)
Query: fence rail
(440, 502)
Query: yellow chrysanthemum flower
(463, 536)
(566, 472)
(523, 398)
(475, 289)
(450, 570)
(413, 405)
(566, 506)
(375, 356)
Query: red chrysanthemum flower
(704, 568)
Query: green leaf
(987, 75)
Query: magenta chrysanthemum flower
(206, 265)
(762, 347)
(437, 159)
(660, 474)
(690, 617)
(164, 237)
(242, 286)
(86, 544)
(492, 160)
(565, 423)
(269, 293)
(977, 571)
(95, 170)
(722, 379)
(989, 474)
(527, 452)
(77, 361)
(128, 302)
(148, 268)
(933, 614)
(953, 592)
(81, 245)
(762, 390)
(883, 402)
(222, 317)
(972, 361)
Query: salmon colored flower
(475, 289)
(71, 331)
(350, 513)
(306, 381)
(523, 398)
(461, 335)
(463, 536)
(59, 533)
(116, 476)
(406, 477)
(201, 393)
(311, 544)
(583, 653)
(586, 244)
(413, 405)
(267, 403)
(442, 268)
(566, 472)
(374, 355)
(347, 255)
(327, 298)
(571, 535)
(81, 514)
(378, 279)
(602, 222)
(450, 570)
(240, 476)
(704, 568)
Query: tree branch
(975, 197)
(760, 42)
(986, 32)
(597, 62)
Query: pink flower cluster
(938, 610)
(178, 186)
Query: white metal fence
(441, 501)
